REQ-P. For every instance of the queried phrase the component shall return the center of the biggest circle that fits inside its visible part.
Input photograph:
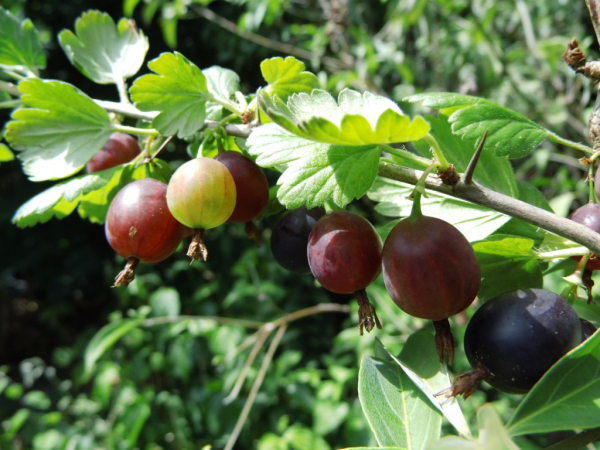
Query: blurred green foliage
(167, 383)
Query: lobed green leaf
(286, 77)
(492, 171)
(337, 173)
(178, 90)
(20, 44)
(509, 133)
(222, 84)
(103, 51)
(567, 397)
(355, 119)
(58, 131)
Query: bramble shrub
(431, 200)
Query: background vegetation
(168, 383)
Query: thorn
(468, 179)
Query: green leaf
(165, 302)
(13, 424)
(6, 154)
(103, 51)
(104, 382)
(398, 413)
(178, 90)
(20, 44)
(567, 397)
(301, 438)
(492, 171)
(336, 173)
(287, 77)
(509, 133)
(507, 263)
(61, 200)
(59, 131)
(356, 119)
(420, 361)
(222, 84)
(135, 417)
(474, 221)
(104, 339)
(37, 399)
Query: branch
(518, 209)
(331, 63)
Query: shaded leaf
(492, 171)
(104, 339)
(178, 90)
(474, 221)
(103, 51)
(567, 397)
(286, 77)
(355, 119)
(60, 130)
(165, 302)
(20, 43)
(507, 263)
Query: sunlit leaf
(286, 77)
(222, 84)
(103, 51)
(178, 90)
(398, 413)
(58, 131)
(20, 44)
(6, 154)
(354, 119)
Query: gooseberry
(289, 238)
(344, 255)
(588, 215)
(120, 149)
(514, 338)
(201, 195)
(140, 227)
(430, 271)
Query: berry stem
(465, 383)
(197, 249)
(444, 341)
(251, 230)
(441, 161)
(127, 275)
(367, 317)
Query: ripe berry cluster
(147, 219)
(429, 268)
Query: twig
(255, 388)
(480, 195)
(264, 332)
(332, 63)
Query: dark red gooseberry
(120, 149)
(587, 329)
(251, 186)
(429, 268)
(344, 252)
(513, 339)
(289, 238)
(344, 255)
(588, 215)
(139, 224)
